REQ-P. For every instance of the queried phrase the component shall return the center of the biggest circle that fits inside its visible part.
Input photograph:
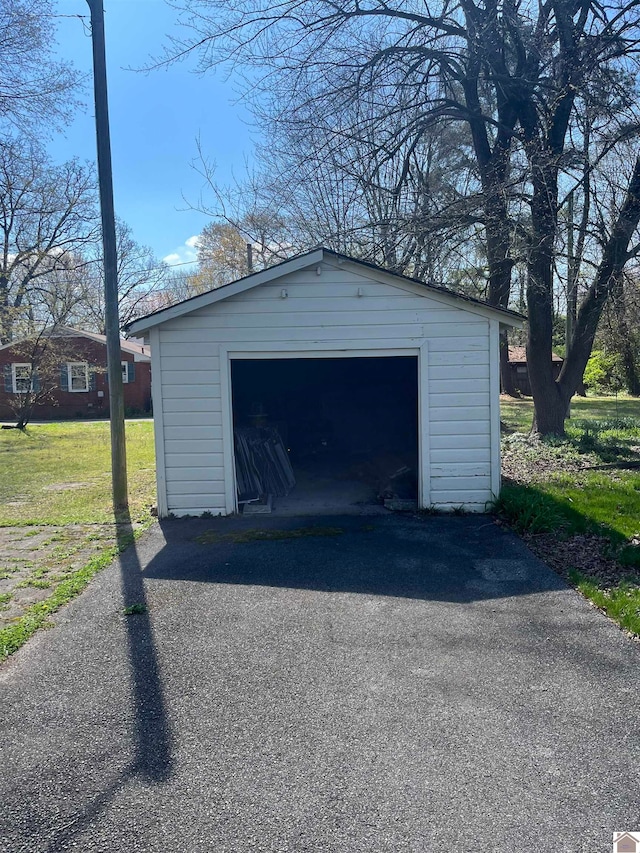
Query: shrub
(603, 372)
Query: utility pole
(112, 321)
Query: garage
(361, 387)
(348, 425)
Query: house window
(78, 373)
(128, 371)
(22, 378)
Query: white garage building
(364, 373)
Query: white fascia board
(451, 300)
(262, 277)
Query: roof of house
(130, 346)
(309, 259)
(518, 355)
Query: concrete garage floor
(403, 685)
(326, 495)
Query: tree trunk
(500, 266)
(551, 398)
(550, 408)
(614, 257)
(506, 376)
(5, 311)
(493, 164)
(613, 260)
(550, 412)
(23, 409)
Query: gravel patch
(35, 559)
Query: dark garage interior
(325, 433)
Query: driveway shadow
(152, 760)
(456, 559)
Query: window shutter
(35, 381)
(92, 379)
(64, 377)
(131, 371)
(8, 379)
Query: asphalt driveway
(392, 684)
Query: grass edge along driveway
(58, 474)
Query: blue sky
(155, 120)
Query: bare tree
(244, 212)
(411, 213)
(60, 298)
(37, 89)
(47, 217)
(140, 276)
(517, 76)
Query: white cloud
(187, 253)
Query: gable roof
(518, 355)
(310, 259)
(129, 346)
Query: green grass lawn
(518, 414)
(586, 483)
(56, 521)
(60, 473)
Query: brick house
(75, 375)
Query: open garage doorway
(348, 427)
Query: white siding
(192, 407)
(326, 313)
